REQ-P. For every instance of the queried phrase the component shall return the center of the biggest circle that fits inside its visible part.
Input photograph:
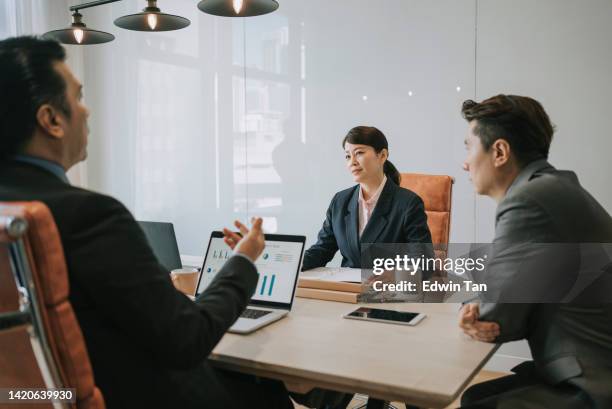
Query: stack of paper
(331, 284)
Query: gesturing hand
(250, 243)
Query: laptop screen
(278, 267)
(163, 242)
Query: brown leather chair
(41, 344)
(436, 192)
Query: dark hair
(27, 81)
(521, 121)
(368, 135)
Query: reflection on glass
(260, 132)
(263, 125)
(162, 134)
(267, 44)
(270, 120)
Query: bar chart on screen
(267, 285)
(221, 254)
(278, 266)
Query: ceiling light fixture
(152, 19)
(237, 8)
(78, 33)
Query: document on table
(352, 275)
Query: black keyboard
(254, 314)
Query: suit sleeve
(112, 263)
(521, 225)
(321, 253)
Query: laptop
(278, 266)
(163, 242)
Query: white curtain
(35, 17)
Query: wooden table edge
(301, 381)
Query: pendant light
(238, 8)
(152, 19)
(78, 33)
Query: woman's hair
(368, 135)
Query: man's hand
(479, 330)
(250, 243)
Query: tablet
(388, 316)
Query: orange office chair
(41, 344)
(436, 192)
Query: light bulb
(152, 20)
(237, 6)
(78, 35)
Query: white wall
(559, 53)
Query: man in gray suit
(571, 342)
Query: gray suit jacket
(571, 343)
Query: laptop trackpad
(255, 319)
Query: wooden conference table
(427, 365)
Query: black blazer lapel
(378, 221)
(351, 223)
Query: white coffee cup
(185, 279)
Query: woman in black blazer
(376, 210)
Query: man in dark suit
(147, 342)
(539, 208)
